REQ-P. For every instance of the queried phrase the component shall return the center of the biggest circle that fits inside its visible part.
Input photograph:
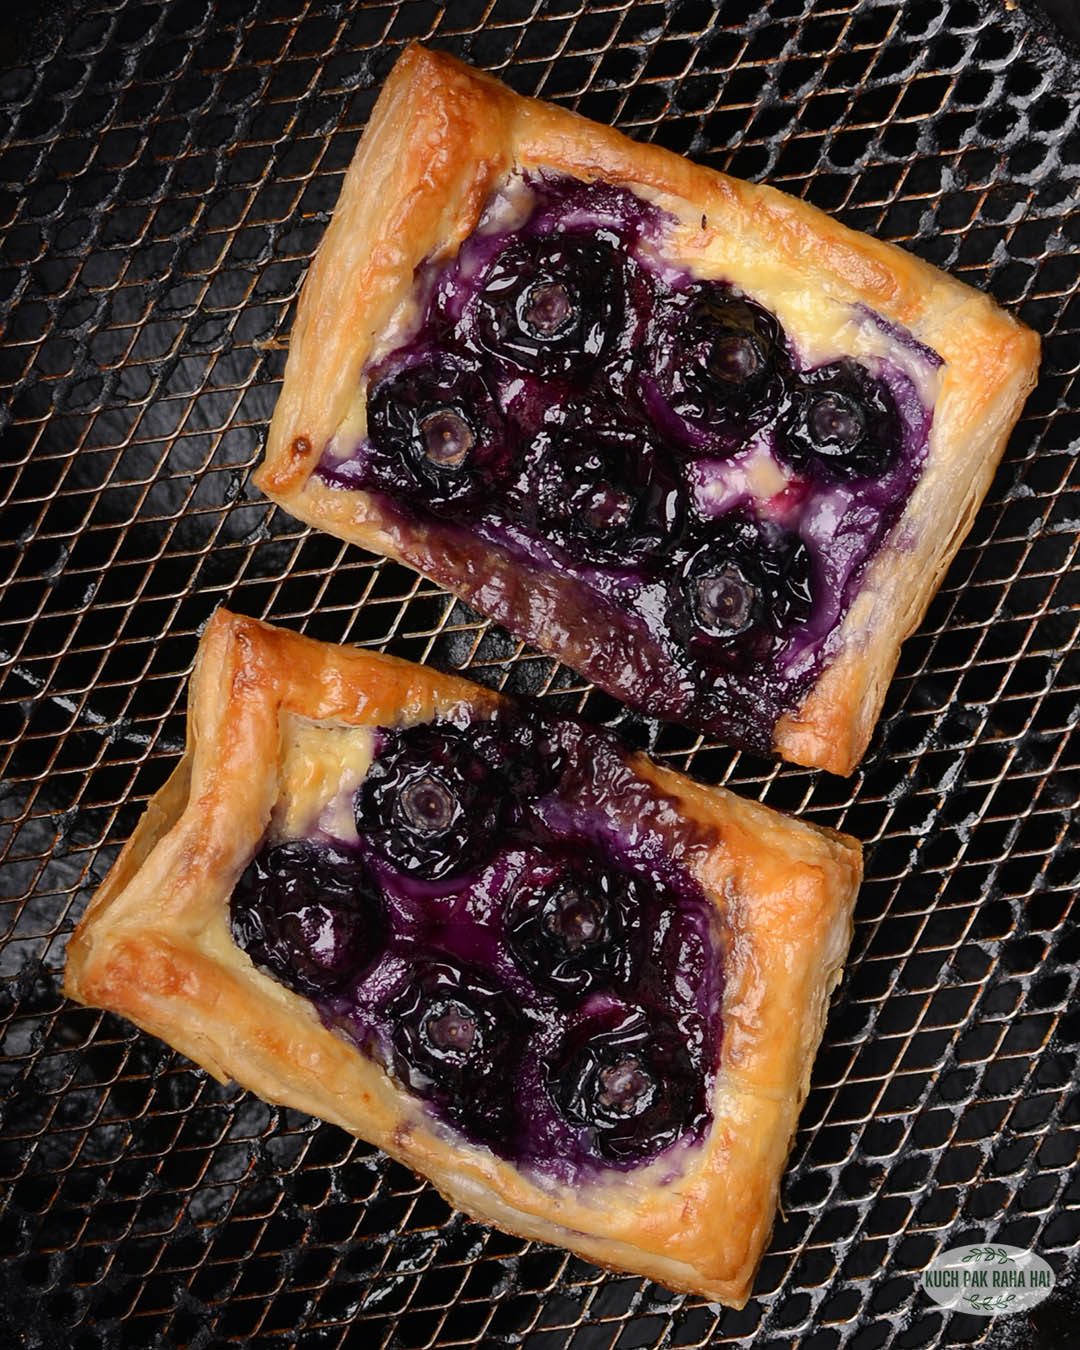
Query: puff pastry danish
(695, 438)
(581, 993)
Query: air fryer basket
(167, 171)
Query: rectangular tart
(704, 444)
(580, 993)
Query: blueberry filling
(521, 748)
(310, 914)
(629, 1078)
(842, 424)
(552, 305)
(574, 419)
(556, 996)
(431, 805)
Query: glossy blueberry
(552, 305)
(431, 804)
(748, 575)
(601, 489)
(457, 1037)
(436, 434)
(576, 926)
(629, 1076)
(520, 744)
(725, 600)
(309, 913)
(720, 360)
(842, 423)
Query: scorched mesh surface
(167, 171)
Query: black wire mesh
(167, 171)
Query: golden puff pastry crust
(442, 139)
(278, 727)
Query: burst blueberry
(457, 1038)
(573, 923)
(749, 576)
(552, 305)
(436, 432)
(718, 360)
(601, 489)
(309, 913)
(431, 805)
(628, 1075)
(842, 423)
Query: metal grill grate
(167, 172)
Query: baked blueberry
(842, 423)
(522, 747)
(310, 913)
(436, 433)
(720, 360)
(431, 803)
(457, 1037)
(575, 927)
(748, 576)
(725, 599)
(552, 305)
(601, 489)
(630, 1077)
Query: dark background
(1064, 13)
(31, 25)
(166, 172)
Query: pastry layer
(280, 733)
(444, 144)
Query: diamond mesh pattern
(167, 171)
